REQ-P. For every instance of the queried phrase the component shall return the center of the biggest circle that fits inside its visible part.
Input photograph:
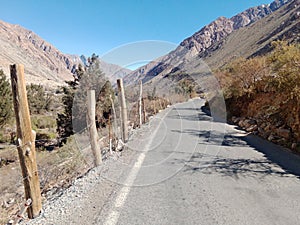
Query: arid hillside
(44, 63)
(246, 34)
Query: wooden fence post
(26, 141)
(110, 135)
(144, 110)
(123, 110)
(91, 123)
(140, 103)
(115, 126)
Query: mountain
(248, 33)
(222, 27)
(111, 71)
(42, 61)
(44, 64)
(255, 39)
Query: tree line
(69, 107)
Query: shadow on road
(282, 157)
(194, 115)
(214, 137)
(235, 168)
(276, 160)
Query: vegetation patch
(267, 89)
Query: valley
(220, 111)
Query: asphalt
(184, 167)
(189, 169)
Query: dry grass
(57, 170)
(60, 167)
(11, 188)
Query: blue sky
(96, 26)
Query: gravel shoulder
(90, 194)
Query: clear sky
(97, 26)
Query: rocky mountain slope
(255, 39)
(44, 64)
(210, 39)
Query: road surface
(193, 173)
(184, 168)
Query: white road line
(114, 214)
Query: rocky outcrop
(277, 4)
(208, 35)
(251, 15)
(268, 130)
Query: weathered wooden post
(144, 110)
(160, 105)
(140, 103)
(110, 135)
(123, 110)
(91, 123)
(115, 128)
(26, 141)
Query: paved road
(184, 168)
(188, 169)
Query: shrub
(73, 117)
(6, 106)
(242, 76)
(38, 100)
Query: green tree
(186, 87)
(73, 117)
(38, 100)
(103, 106)
(64, 119)
(92, 79)
(6, 106)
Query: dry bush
(57, 170)
(266, 87)
(62, 166)
(152, 107)
(242, 76)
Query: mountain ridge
(222, 26)
(44, 63)
(209, 37)
(42, 60)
